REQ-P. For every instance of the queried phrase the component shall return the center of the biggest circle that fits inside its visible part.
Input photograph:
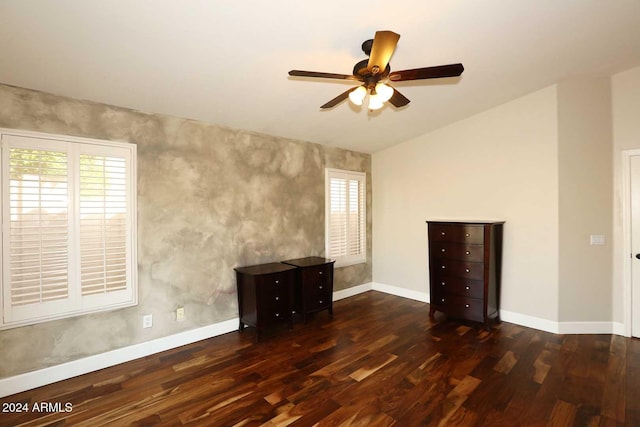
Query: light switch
(596, 239)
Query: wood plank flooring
(380, 361)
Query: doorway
(631, 238)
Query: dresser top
(459, 221)
(257, 270)
(311, 261)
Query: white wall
(499, 164)
(625, 94)
(585, 173)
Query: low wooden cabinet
(313, 288)
(265, 295)
(465, 261)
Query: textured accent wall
(209, 199)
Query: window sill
(348, 263)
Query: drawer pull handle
(442, 283)
(320, 287)
(277, 314)
(466, 305)
(442, 299)
(320, 301)
(277, 298)
(443, 233)
(443, 250)
(467, 270)
(320, 272)
(442, 266)
(466, 287)
(277, 281)
(467, 252)
(466, 234)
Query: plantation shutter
(36, 252)
(356, 218)
(338, 220)
(346, 217)
(103, 214)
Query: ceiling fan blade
(338, 99)
(384, 44)
(300, 73)
(398, 99)
(451, 70)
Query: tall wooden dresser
(465, 261)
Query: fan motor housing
(361, 72)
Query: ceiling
(225, 62)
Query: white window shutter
(338, 217)
(36, 259)
(103, 213)
(345, 217)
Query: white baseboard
(529, 321)
(352, 291)
(590, 328)
(401, 292)
(34, 379)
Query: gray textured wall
(209, 199)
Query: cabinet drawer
(317, 302)
(459, 251)
(319, 290)
(273, 282)
(454, 268)
(461, 307)
(269, 315)
(463, 233)
(458, 286)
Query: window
(68, 227)
(346, 217)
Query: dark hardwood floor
(379, 362)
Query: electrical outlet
(180, 314)
(147, 321)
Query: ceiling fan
(373, 71)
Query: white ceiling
(226, 62)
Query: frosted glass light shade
(357, 96)
(375, 103)
(384, 92)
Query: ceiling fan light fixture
(357, 95)
(384, 92)
(375, 103)
(371, 71)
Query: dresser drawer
(317, 276)
(453, 268)
(273, 310)
(460, 286)
(273, 282)
(462, 233)
(317, 291)
(317, 302)
(459, 251)
(461, 307)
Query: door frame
(627, 255)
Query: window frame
(361, 178)
(76, 304)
